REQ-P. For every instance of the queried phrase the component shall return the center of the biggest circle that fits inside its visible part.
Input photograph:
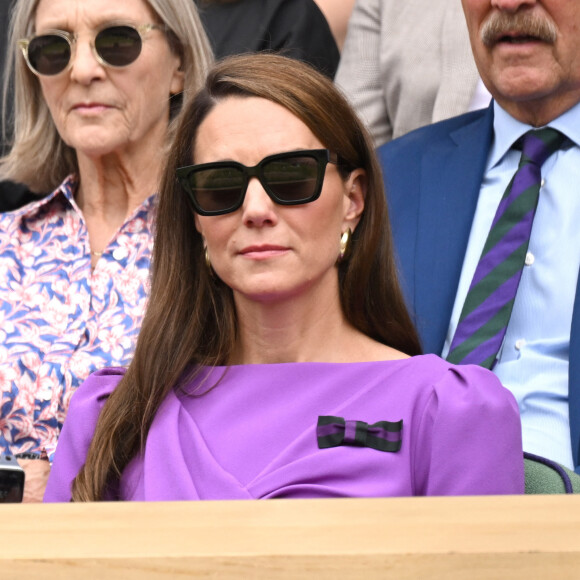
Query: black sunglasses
(290, 178)
(115, 46)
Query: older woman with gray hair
(99, 86)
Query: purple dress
(259, 434)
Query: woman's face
(98, 109)
(265, 251)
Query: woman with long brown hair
(273, 360)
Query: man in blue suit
(444, 183)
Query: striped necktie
(490, 298)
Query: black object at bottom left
(11, 480)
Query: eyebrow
(96, 26)
(295, 150)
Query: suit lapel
(451, 175)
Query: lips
(263, 251)
(90, 107)
(518, 38)
(263, 248)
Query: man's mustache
(499, 24)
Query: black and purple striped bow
(335, 431)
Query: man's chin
(522, 83)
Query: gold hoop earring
(207, 260)
(344, 244)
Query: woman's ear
(197, 224)
(176, 83)
(178, 78)
(355, 193)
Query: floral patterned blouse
(60, 320)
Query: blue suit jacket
(433, 177)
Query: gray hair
(39, 157)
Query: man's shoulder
(431, 134)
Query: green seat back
(546, 476)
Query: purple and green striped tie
(490, 298)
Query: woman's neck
(110, 190)
(302, 330)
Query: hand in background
(36, 476)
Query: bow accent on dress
(383, 436)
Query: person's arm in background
(337, 14)
(359, 74)
(36, 472)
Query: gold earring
(344, 244)
(207, 260)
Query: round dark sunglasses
(290, 178)
(115, 46)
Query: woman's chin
(93, 145)
(270, 293)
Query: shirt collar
(67, 189)
(507, 130)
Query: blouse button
(530, 259)
(520, 343)
(120, 254)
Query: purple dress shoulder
(418, 426)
